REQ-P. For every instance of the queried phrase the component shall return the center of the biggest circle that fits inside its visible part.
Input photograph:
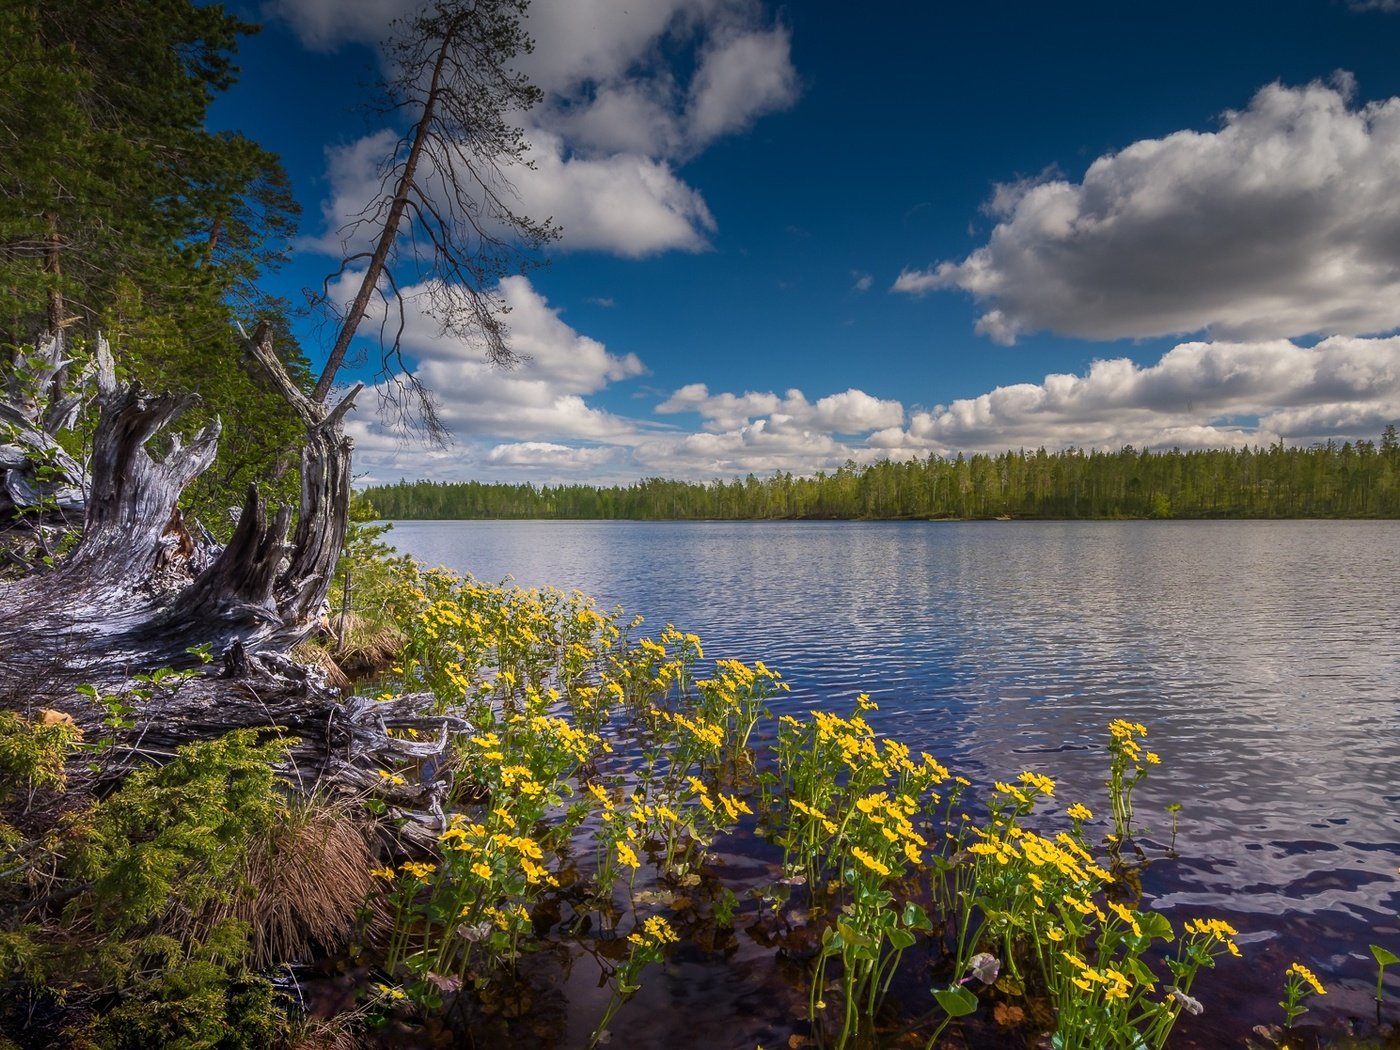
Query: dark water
(1264, 658)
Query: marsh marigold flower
(871, 862)
(1308, 976)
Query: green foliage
(107, 171)
(192, 1001)
(33, 753)
(121, 212)
(1351, 480)
(107, 906)
(172, 837)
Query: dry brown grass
(339, 1033)
(369, 645)
(305, 885)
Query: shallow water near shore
(1264, 658)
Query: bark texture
(137, 593)
(132, 596)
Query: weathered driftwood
(119, 600)
(347, 746)
(133, 596)
(40, 484)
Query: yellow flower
(733, 805)
(1079, 811)
(1041, 783)
(382, 873)
(869, 861)
(418, 869)
(1308, 976)
(535, 872)
(627, 855)
(659, 931)
(393, 994)
(1126, 915)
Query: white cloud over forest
(544, 420)
(1198, 395)
(1282, 223)
(850, 412)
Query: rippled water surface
(1264, 657)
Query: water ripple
(1263, 656)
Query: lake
(1264, 658)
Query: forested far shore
(1349, 480)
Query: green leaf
(853, 936)
(1141, 972)
(915, 917)
(1384, 956)
(901, 939)
(956, 1001)
(1156, 925)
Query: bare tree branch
(446, 217)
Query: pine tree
(121, 213)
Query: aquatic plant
(1298, 983)
(1384, 957)
(1128, 765)
(883, 849)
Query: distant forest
(1351, 480)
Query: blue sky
(800, 234)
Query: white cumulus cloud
(546, 455)
(850, 412)
(1284, 222)
(624, 203)
(543, 400)
(741, 77)
(323, 25)
(1198, 395)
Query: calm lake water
(1264, 658)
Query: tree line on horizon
(1358, 479)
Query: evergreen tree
(121, 213)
